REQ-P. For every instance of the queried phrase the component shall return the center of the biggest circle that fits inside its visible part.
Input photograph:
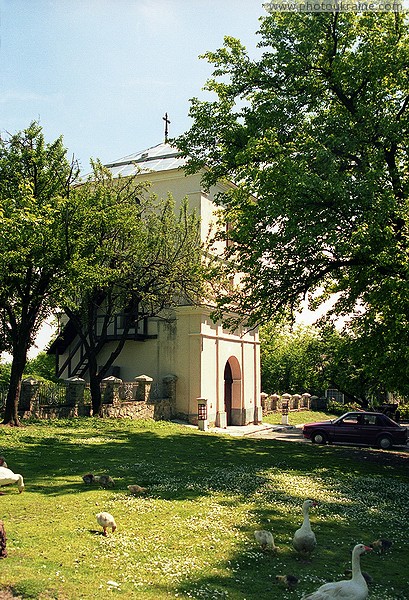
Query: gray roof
(159, 158)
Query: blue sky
(102, 73)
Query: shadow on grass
(150, 458)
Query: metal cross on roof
(167, 122)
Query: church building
(208, 362)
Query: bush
(5, 369)
(338, 408)
(404, 412)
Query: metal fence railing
(47, 393)
(50, 393)
(127, 391)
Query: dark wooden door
(228, 384)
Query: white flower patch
(205, 592)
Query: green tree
(293, 360)
(381, 337)
(134, 255)
(35, 180)
(41, 366)
(312, 359)
(314, 135)
(351, 370)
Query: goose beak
(368, 548)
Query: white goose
(304, 540)
(7, 477)
(348, 589)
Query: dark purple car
(368, 428)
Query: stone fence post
(110, 388)
(306, 400)
(275, 401)
(143, 389)
(74, 391)
(28, 401)
(296, 401)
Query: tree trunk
(16, 375)
(94, 385)
(96, 398)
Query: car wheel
(319, 438)
(384, 442)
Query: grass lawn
(298, 417)
(192, 535)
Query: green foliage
(35, 179)
(381, 341)
(132, 253)
(42, 367)
(353, 372)
(293, 360)
(312, 359)
(192, 534)
(404, 412)
(338, 408)
(5, 369)
(314, 135)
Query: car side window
(370, 420)
(350, 420)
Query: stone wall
(136, 405)
(276, 402)
(160, 410)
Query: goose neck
(356, 566)
(306, 522)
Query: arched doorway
(228, 392)
(232, 392)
